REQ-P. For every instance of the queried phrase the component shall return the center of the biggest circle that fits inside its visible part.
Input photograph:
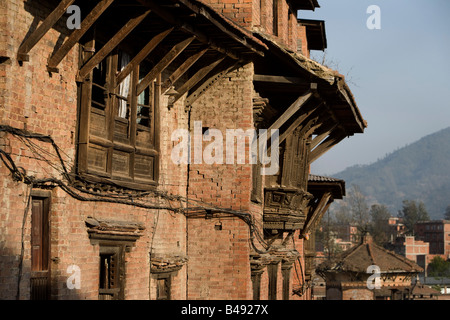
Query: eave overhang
(304, 4)
(317, 185)
(331, 86)
(315, 33)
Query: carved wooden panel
(285, 208)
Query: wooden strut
(196, 78)
(110, 45)
(183, 69)
(163, 63)
(76, 35)
(334, 138)
(183, 25)
(320, 209)
(43, 28)
(142, 55)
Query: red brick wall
(47, 104)
(218, 264)
(260, 14)
(302, 41)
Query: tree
(326, 236)
(412, 213)
(438, 267)
(359, 208)
(447, 213)
(379, 227)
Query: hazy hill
(420, 171)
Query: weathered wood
(76, 35)
(206, 84)
(293, 108)
(318, 139)
(299, 121)
(85, 114)
(318, 211)
(163, 63)
(197, 77)
(334, 138)
(142, 55)
(111, 44)
(183, 68)
(279, 79)
(43, 28)
(188, 28)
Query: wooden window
(275, 17)
(118, 128)
(40, 249)
(111, 273)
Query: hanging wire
(19, 174)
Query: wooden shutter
(111, 273)
(40, 247)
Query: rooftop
(367, 253)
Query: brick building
(351, 275)
(437, 234)
(414, 250)
(108, 188)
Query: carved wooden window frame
(112, 148)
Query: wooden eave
(188, 17)
(302, 73)
(315, 33)
(318, 185)
(304, 4)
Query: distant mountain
(419, 171)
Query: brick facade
(197, 234)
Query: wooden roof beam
(279, 79)
(163, 63)
(76, 35)
(334, 138)
(301, 120)
(293, 108)
(188, 63)
(319, 210)
(142, 55)
(196, 78)
(183, 25)
(207, 83)
(319, 138)
(43, 28)
(110, 45)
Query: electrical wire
(75, 182)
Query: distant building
(437, 233)
(347, 276)
(396, 228)
(423, 292)
(412, 249)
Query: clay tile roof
(316, 178)
(367, 253)
(340, 92)
(421, 289)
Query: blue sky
(399, 75)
